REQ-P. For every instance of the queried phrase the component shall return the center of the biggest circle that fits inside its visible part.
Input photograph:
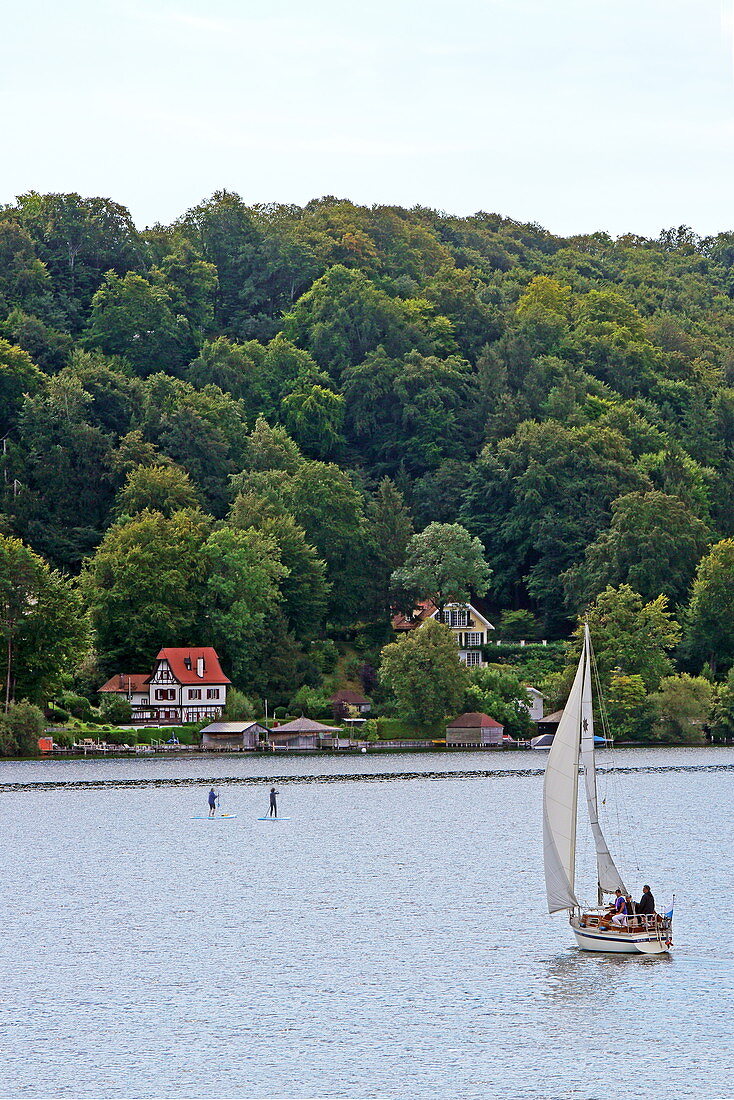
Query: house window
(165, 693)
(194, 693)
(212, 693)
(475, 639)
(473, 658)
(457, 616)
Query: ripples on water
(390, 940)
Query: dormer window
(187, 663)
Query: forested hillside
(228, 428)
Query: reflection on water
(389, 940)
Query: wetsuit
(273, 812)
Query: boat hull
(620, 943)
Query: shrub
(238, 707)
(115, 709)
(120, 737)
(325, 655)
(77, 705)
(20, 729)
(280, 712)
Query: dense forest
(229, 429)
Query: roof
(345, 695)
(232, 727)
(423, 610)
(552, 718)
(474, 719)
(304, 725)
(183, 664)
(127, 683)
(426, 609)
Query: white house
(187, 685)
(534, 703)
(470, 627)
(132, 686)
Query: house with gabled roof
(132, 686)
(470, 626)
(187, 685)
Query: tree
(499, 692)
(444, 564)
(133, 318)
(390, 531)
(629, 709)
(653, 544)
(18, 376)
(314, 415)
(42, 622)
(631, 635)
(243, 573)
(709, 623)
(304, 588)
(722, 718)
(683, 705)
(165, 489)
(146, 587)
(423, 672)
(516, 625)
(20, 727)
(538, 499)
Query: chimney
(200, 667)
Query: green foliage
(114, 708)
(239, 706)
(518, 625)
(683, 706)
(654, 544)
(20, 727)
(133, 318)
(423, 673)
(499, 692)
(443, 563)
(18, 376)
(311, 703)
(722, 717)
(43, 626)
(165, 489)
(629, 708)
(631, 635)
(145, 588)
(709, 623)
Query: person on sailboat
(646, 904)
(620, 905)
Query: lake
(389, 940)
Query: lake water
(389, 940)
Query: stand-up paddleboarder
(212, 802)
(273, 804)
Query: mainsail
(560, 795)
(608, 876)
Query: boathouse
(475, 729)
(232, 736)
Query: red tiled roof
(473, 719)
(183, 665)
(126, 683)
(347, 696)
(423, 611)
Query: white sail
(560, 795)
(608, 876)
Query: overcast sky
(578, 114)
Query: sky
(581, 115)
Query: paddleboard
(207, 817)
(268, 818)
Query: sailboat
(573, 745)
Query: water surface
(389, 940)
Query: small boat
(573, 745)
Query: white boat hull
(620, 943)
